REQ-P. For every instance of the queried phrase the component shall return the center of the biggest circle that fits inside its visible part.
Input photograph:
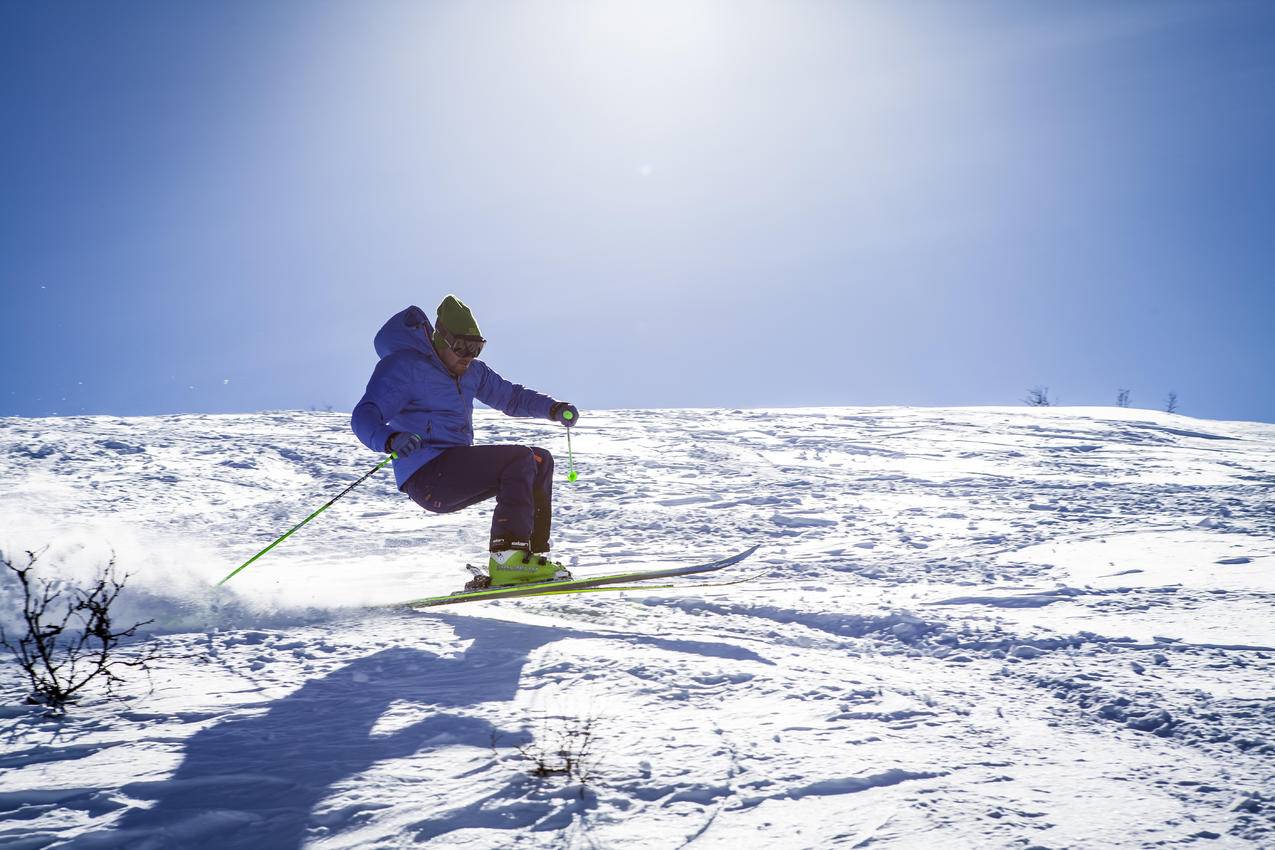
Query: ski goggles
(462, 345)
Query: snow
(985, 627)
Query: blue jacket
(411, 390)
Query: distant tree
(1122, 398)
(1037, 397)
(1171, 403)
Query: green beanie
(456, 317)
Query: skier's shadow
(253, 782)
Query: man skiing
(419, 404)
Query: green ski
(579, 585)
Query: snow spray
(288, 533)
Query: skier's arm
(388, 391)
(511, 399)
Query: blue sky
(212, 207)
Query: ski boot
(514, 566)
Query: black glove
(564, 412)
(402, 443)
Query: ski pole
(287, 534)
(571, 465)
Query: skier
(419, 404)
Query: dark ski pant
(519, 477)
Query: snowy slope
(975, 628)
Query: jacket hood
(408, 329)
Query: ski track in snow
(975, 628)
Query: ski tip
(747, 553)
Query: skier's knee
(522, 462)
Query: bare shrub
(70, 640)
(563, 745)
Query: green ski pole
(571, 464)
(288, 534)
